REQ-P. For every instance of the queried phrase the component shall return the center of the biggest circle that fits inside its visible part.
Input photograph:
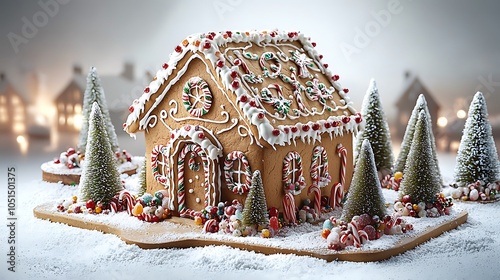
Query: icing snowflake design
(303, 62)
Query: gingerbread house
(229, 103)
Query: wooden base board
(149, 241)
(72, 179)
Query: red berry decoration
(294, 129)
(235, 84)
(207, 45)
(210, 36)
(229, 34)
(286, 129)
(276, 132)
(124, 125)
(314, 44)
(146, 90)
(57, 160)
(178, 49)
(90, 204)
(315, 126)
(320, 56)
(201, 135)
(234, 74)
(290, 34)
(164, 66)
(346, 90)
(252, 103)
(305, 128)
(346, 119)
(335, 78)
(220, 63)
(406, 199)
(273, 34)
(327, 125)
(358, 119)
(325, 65)
(243, 98)
(260, 116)
(70, 151)
(131, 109)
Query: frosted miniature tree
(477, 157)
(95, 93)
(255, 210)
(421, 180)
(100, 179)
(401, 160)
(142, 179)
(376, 130)
(365, 194)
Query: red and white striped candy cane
(336, 195)
(155, 153)
(244, 167)
(342, 151)
(363, 236)
(289, 208)
(181, 191)
(353, 227)
(113, 205)
(147, 217)
(317, 197)
(126, 198)
(210, 226)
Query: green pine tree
(100, 179)
(95, 93)
(401, 161)
(142, 179)
(255, 210)
(365, 194)
(421, 180)
(376, 130)
(477, 157)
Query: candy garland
(275, 68)
(289, 208)
(292, 184)
(181, 192)
(280, 104)
(198, 84)
(244, 168)
(319, 167)
(155, 154)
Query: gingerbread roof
(277, 80)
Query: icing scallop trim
(208, 44)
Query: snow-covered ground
(47, 250)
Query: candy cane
(320, 176)
(280, 103)
(181, 192)
(275, 68)
(199, 83)
(342, 151)
(228, 172)
(299, 184)
(336, 195)
(297, 87)
(353, 227)
(129, 200)
(289, 208)
(317, 197)
(386, 181)
(155, 153)
(115, 205)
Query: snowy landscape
(48, 250)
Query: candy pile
(227, 218)
(149, 208)
(478, 191)
(393, 182)
(71, 158)
(438, 206)
(361, 229)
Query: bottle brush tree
(100, 179)
(95, 93)
(421, 180)
(376, 130)
(142, 179)
(255, 210)
(365, 194)
(477, 158)
(408, 137)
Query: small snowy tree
(376, 130)
(255, 210)
(100, 179)
(95, 93)
(401, 160)
(421, 180)
(365, 194)
(142, 179)
(477, 157)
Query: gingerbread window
(293, 178)
(237, 172)
(319, 167)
